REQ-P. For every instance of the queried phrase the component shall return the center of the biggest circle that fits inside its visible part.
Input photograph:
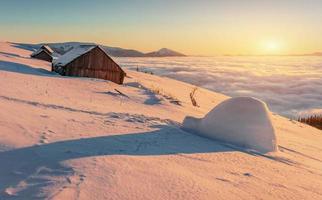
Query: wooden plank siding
(95, 64)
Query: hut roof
(39, 51)
(50, 50)
(75, 53)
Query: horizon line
(316, 53)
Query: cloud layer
(289, 85)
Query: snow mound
(242, 121)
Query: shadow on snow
(24, 69)
(25, 164)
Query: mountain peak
(164, 52)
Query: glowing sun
(272, 46)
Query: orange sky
(206, 27)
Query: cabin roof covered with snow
(39, 51)
(75, 53)
(46, 47)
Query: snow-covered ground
(291, 86)
(78, 138)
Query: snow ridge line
(299, 153)
(127, 116)
(52, 106)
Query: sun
(272, 46)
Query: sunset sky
(205, 27)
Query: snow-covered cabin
(43, 53)
(47, 48)
(89, 61)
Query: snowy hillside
(78, 138)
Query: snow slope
(77, 138)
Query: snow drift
(242, 121)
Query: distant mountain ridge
(314, 54)
(164, 52)
(303, 54)
(64, 47)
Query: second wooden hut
(43, 53)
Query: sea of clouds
(291, 86)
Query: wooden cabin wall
(95, 64)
